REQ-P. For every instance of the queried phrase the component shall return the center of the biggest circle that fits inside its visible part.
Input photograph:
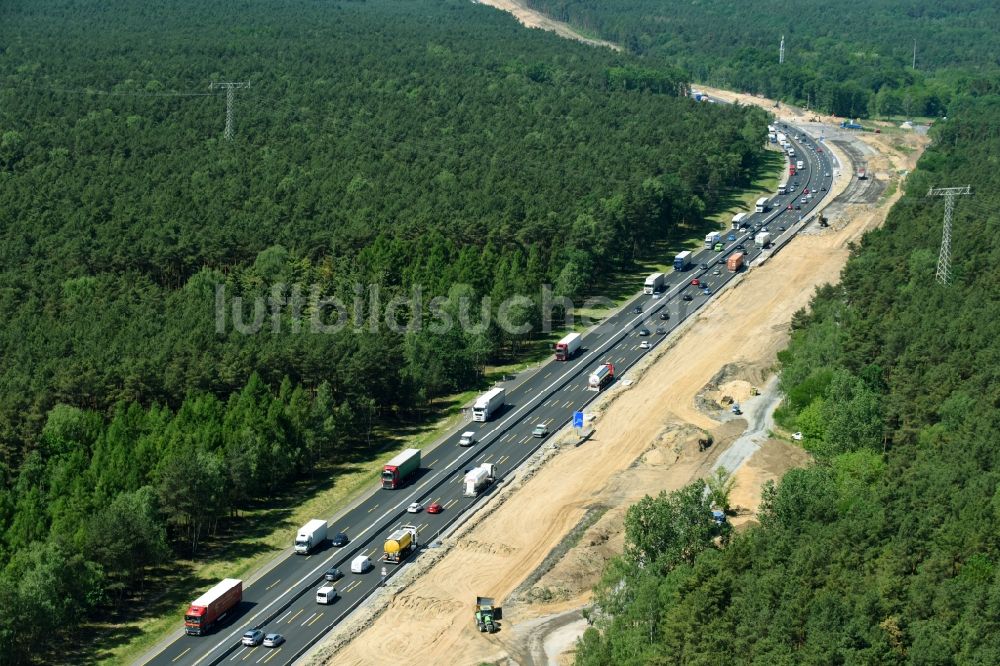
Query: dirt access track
(540, 544)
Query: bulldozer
(487, 615)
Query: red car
(695, 282)
(789, 207)
(819, 150)
(805, 191)
(435, 508)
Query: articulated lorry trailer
(568, 346)
(212, 606)
(600, 377)
(310, 536)
(396, 471)
(488, 404)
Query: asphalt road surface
(283, 600)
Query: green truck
(487, 615)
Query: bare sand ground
(541, 545)
(529, 18)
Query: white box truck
(763, 239)
(310, 536)
(739, 220)
(761, 206)
(488, 404)
(712, 238)
(479, 478)
(653, 284)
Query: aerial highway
(282, 600)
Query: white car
(797, 436)
(644, 344)
(416, 507)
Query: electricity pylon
(230, 93)
(944, 256)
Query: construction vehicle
(487, 615)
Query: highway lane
(282, 600)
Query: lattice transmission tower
(231, 88)
(944, 256)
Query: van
(361, 564)
(326, 594)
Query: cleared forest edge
(531, 18)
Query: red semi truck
(212, 606)
(601, 377)
(396, 471)
(568, 346)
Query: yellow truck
(400, 544)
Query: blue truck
(682, 260)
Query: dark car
(740, 247)
(333, 573)
(637, 309)
(798, 207)
(686, 297)
(823, 188)
(703, 266)
(643, 332)
(664, 316)
(340, 540)
(660, 330)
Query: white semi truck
(488, 404)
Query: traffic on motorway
(291, 606)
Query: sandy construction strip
(745, 325)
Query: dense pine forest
(392, 145)
(886, 550)
(847, 58)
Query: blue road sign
(577, 419)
